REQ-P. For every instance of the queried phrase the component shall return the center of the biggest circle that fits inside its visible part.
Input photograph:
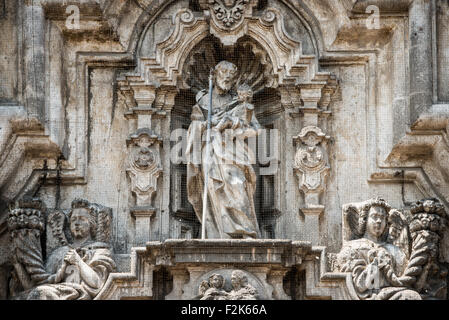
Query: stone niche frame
(305, 92)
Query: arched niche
(171, 67)
(256, 70)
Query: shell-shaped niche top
(253, 63)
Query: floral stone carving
(392, 257)
(76, 270)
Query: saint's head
(225, 75)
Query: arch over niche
(163, 68)
(153, 9)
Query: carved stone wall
(354, 106)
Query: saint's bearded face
(225, 74)
(377, 221)
(79, 223)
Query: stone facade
(339, 101)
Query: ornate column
(311, 166)
(311, 160)
(146, 160)
(144, 169)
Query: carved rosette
(144, 166)
(311, 162)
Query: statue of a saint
(376, 263)
(76, 271)
(231, 177)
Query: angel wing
(203, 287)
(56, 237)
(104, 220)
(398, 233)
(351, 222)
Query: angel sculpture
(241, 289)
(377, 251)
(213, 289)
(77, 269)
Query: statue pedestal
(143, 216)
(264, 262)
(312, 215)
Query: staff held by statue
(206, 162)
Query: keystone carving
(228, 17)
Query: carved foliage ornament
(228, 14)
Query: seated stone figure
(76, 271)
(375, 262)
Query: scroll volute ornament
(144, 165)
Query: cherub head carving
(216, 281)
(82, 220)
(89, 221)
(144, 149)
(143, 156)
(238, 279)
(374, 218)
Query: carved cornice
(385, 6)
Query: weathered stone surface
(347, 101)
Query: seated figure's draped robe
(232, 180)
(357, 253)
(97, 255)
